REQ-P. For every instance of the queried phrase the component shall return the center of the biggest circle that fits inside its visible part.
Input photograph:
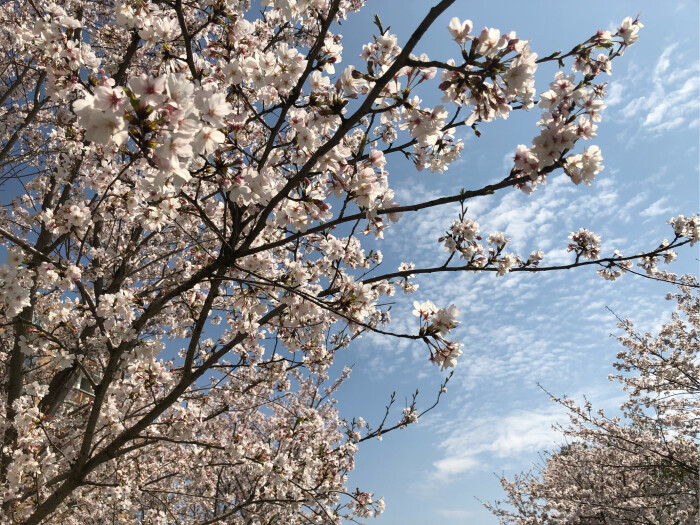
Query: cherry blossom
(188, 253)
(641, 467)
(460, 30)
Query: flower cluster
(15, 283)
(188, 258)
(585, 244)
(688, 227)
(463, 237)
(510, 77)
(436, 323)
(572, 108)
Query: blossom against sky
(517, 331)
(520, 330)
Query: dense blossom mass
(185, 256)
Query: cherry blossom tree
(642, 467)
(185, 258)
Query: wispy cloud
(452, 514)
(529, 346)
(615, 94)
(657, 208)
(542, 220)
(479, 439)
(488, 438)
(672, 100)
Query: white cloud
(657, 208)
(663, 63)
(453, 465)
(615, 94)
(487, 437)
(452, 514)
(559, 256)
(474, 443)
(634, 201)
(542, 220)
(671, 102)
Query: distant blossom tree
(641, 468)
(201, 172)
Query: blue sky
(522, 330)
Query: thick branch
(347, 124)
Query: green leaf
(378, 23)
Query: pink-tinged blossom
(498, 239)
(584, 167)
(520, 77)
(172, 149)
(446, 357)
(603, 64)
(306, 138)
(179, 90)
(15, 257)
(195, 179)
(490, 42)
(102, 115)
(688, 227)
(213, 107)
(602, 37)
(425, 124)
(585, 244)
(352, 81)
(563, 85)
(536, 257)
(319, 82)
(586, 128)
(614, 271)
(15, 297)
(149, 90)
(505, 263)
(377, 159)
(445, 319)
(73, 273)
(387, 44)
(592, 105)
(525, 160)
(468, 229)
(110, 99)
(424, 310)
(460, 30)
(207, 141)
(629, 29)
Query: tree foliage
(641, 467)
(186, 247)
